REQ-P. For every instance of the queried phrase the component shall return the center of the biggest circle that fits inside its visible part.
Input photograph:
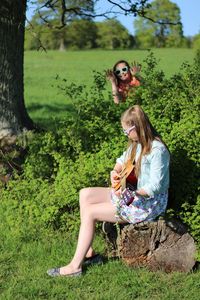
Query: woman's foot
(68, 270)
(90, 253)
(93, 260)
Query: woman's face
(122, 71)
(130, 131)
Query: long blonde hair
(145, 131)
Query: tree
(112, 34)
(13, 116)
(81, 34)
(38, 35)
(196, 41)
(57, 16)
(162, 32)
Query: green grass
(44, 100)
(24, 265)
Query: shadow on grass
(49, 108)
(104, 260)
(47, 116)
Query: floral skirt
(141, 209)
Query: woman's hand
(111, 76)
(118, 192)
(114, 178)
(135, 68)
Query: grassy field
(23, 276)
(45, 101)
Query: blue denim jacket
(154, 173)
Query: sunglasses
(127, 131)
(122, 70)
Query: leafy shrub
(191, 216)
(22, 204)
(95, 117)
(45, 148)
(35, 202)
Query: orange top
(124, 88)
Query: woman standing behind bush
(106, 204)
(123, 78)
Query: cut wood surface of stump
(158, 245)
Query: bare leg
(98, 208)
(93, 195)
(88, 196)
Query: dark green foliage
(113, 35)
(81, 151)
(79, 34)
(160, 34)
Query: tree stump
(158, 245)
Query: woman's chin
(125, 78)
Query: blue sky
(190, 10)
(190, 16)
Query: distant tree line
(80, 34)
(110, 34)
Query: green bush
(191, 216)
(36, 202)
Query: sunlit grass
(23, 274)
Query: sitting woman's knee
(84, 195)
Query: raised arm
(115, 93)
(135, 70)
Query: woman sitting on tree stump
(150, 158)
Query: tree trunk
(13, 115)
(62, 45)
(163, 245)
